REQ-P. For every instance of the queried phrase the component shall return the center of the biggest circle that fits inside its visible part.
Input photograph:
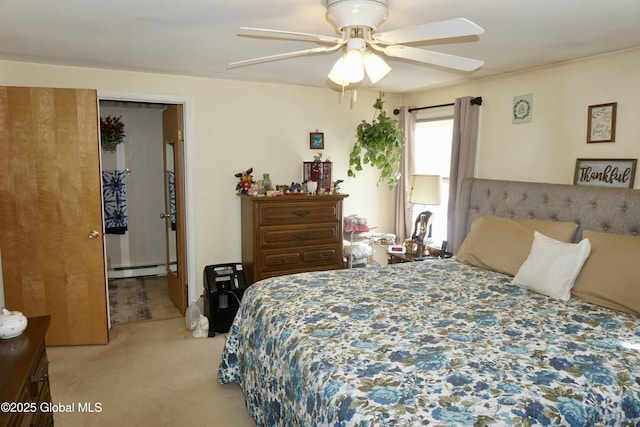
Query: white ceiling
(200, 37)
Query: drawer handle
(302, 236)
(44, 377)
(301, 214)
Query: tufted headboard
(613, 210)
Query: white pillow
(552, 266)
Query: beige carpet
(152, 373)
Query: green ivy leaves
(378, 144)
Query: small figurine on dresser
(312, 187)
(266, 182)
(260, 185)
(295, 187)
(335, 186)
(246, 180)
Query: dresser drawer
(300, 259)
(296, 213)
(39, 379)
(299, 236)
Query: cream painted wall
(234, 126)
(546, 149)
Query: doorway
(144, 251)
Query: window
(433, 157)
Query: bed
(457, 342)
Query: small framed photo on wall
(316, 140)
(522, 109)
(601, 125)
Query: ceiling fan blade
(430, 57)
(283, 56)
(458, 27)
(306, 36)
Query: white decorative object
(1, 284)
(12, 323)
(312, 187)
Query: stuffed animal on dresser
(246, 179)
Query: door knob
(164, 215)
(93, 234)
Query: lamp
(350, 67)
(424, 190)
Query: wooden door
(174, 205)
(51, 211)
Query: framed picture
(601, 125)
(618, 173)
(316, 140)
(522, 109)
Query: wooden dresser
(24, 377)
(291, 234)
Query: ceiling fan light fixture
(376, 67)
(354, 68)
(348, 69)
(337, 73)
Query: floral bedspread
(429, 343)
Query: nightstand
(400, 258)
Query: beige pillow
(611, 275)
(503, 244)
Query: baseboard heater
(137, 271)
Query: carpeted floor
(140, 298)
(152, 373)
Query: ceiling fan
(357, 21)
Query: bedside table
(400, 258)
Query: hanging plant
(378, 143)
(111, 132)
